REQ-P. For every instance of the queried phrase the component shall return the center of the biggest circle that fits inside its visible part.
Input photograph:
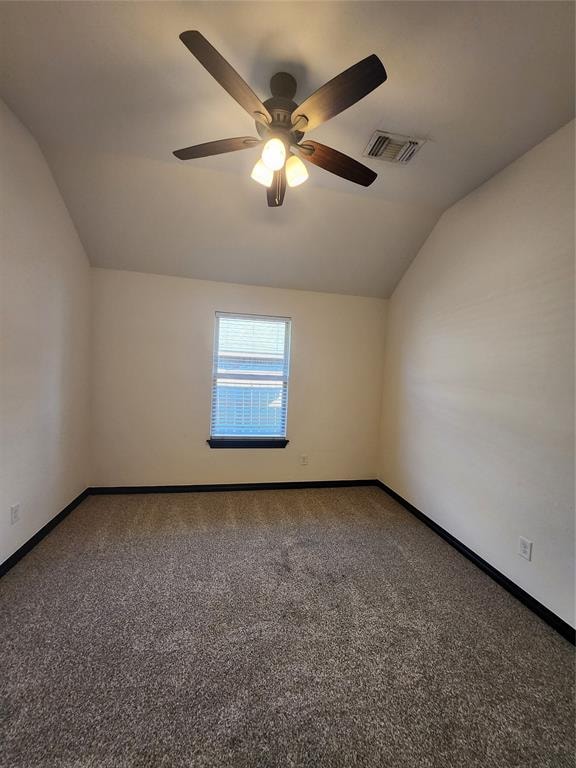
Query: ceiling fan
(281, 123)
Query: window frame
(244, 441)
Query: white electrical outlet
(14, 513)
(303, 459)
(525, 548)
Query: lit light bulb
(262, 174)
(296, 172)
(274, 154)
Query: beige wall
(152, 368)
(44, 336)
(478, 422)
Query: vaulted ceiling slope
(109, 91)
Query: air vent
(392, 147)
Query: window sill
(247, 442)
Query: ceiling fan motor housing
(281, 106)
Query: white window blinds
(250, 376)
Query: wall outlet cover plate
(525, 548)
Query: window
(250, 381)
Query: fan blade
(341, 92)
(276, 191)
(335, 162)
(216, 147)
(228, 78)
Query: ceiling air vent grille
(392, 147)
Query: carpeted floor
(271, 629)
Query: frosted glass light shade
(296, 171)
(262, 174)
(274, 154)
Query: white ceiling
(109, 91)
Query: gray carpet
(287, 628)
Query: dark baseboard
(39, 535)
(561, 626)
(120, 489)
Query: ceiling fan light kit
(274, 154)
(281, 123)
(296, 171)
(262, 174)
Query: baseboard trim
(44, 531)
(561, 626)
(219, 487)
